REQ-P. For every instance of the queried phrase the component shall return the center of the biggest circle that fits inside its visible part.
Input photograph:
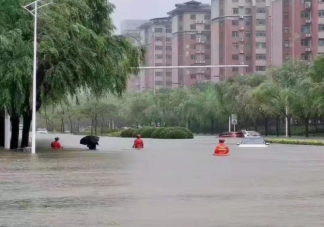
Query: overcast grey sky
(143, 9)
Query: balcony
(241, 40)
(200, 51)
(241, 28)
(308, 21)
(241, 52)
(200, 21)
(308, 49)
(200, 41)
(200, 62)
(308, 5)
(308, 35)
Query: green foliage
(137, 132)
(296, 142)
(176, 134)
(127, 133)
(147, 132)
(165, 131)
(187, 131)
(156, 133)
(115, 134)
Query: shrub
(176, 134)
(189, 133)
(137, 132)
(127, 133)
(296, 142)
(157, 132)
(164, 132)
(147, 132)
(115, 134)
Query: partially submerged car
(231, 135)
(253, 141)
(250, 133)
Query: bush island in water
(159, 133)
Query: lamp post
(34, 11)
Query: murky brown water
(168, 184)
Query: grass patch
(296, 142)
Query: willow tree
(77, 51)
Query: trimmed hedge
(137, 132)
(296, 142)
(147, 132)
(176, 134)
(114, 134)
(161, 133)
(157, 132)
(127, 133)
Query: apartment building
(260, 33)
(191, 40)
(157, 37)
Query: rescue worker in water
(56, 144)
(138, 143)
(221, 148)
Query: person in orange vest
(138, 143)
(56, 144)
(221, 148)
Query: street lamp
(33, 8)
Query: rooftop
(159, 20)
(191, 6)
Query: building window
(304, 42)
(158, 30)
(159, 83)
(286, 30)
(168, 56)
(207, 56)
(261, 22)
(192, 36)
(168, 30)
(260, 45)
(321, 13)
(235, 11)
(305, 57)
(235, 22)
(306, 29)
(180, 27)
(158, 73)
(235, 46)
(193, 76)
(192, 26)
(286, 16)
(168, 83)
(260, 68)
(248, 11)
(248, 34)
(168, 73)
(168, 47)
(261, 57)
(158, 47)
(235, 34)
(261, 10)
(158, 39)
(321, 27)
(247, 22)
(247, 58)
(168, 40)
(206, 17)
(247, 46)
(207, 46)
(234, 69)
(321, 42)
(158, 64)
(235, 57)
(192, 16)
(286, 44)
(304, 15)
(158, 56)
(193, 57)
(207, 27)
(192, 46)
(260, 34)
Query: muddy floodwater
(170, 183)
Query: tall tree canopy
(77, 50)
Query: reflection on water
(168, 184)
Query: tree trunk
(289, 126)
(78, 126)
(27, 118)
(306, 126)
(71, 125)
(2, 128)
(278, 126)
(266, 126)
(96, 122)
(62, 125)
(316, 125)
(92, 121)
(212, 126)
(102, 126)
(14, 131)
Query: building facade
(191, 40)
(260, 33)
(157, 37)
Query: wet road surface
(168, 184)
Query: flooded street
(168, 184)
